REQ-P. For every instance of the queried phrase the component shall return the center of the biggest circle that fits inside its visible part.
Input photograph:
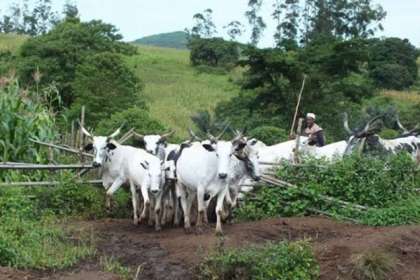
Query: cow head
(250, 157)
(155, 174)
(357, 138)
(101, 146)
(226, 150)
(154, 143)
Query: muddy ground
(171, 254)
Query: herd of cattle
(167, 179)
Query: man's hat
(310, 115)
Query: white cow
(125, 164)
(209, 168)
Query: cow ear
(208, 147)
(88, 147)
(111, 146)
(253, 142)
(145, 166)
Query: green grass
(175, 90)
(11, 42)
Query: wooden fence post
(81, 135)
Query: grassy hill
(177, 40)
(11, 42)
(174, 89)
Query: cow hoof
(136, 222)
(199, 229)
(219, 233)
(158, 229)
(187, 230)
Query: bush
(392, 76)
(215, 52)
(270, 135)
(137, 118)
(280, 261)
(105, 85)
(385, 185)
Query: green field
(11, 42)
(174, 90)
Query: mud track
(171, 254)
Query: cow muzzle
(222, 176)
(96, 164)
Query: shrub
(373, 265)
(386, 185)
(105, 85)
(135, 117)
(280, 261)
(270, 135)
(215, 52)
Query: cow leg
(200, 206)
(114, 187)
(219, 210)
(157, 209)
(152, 211)
(185, 208)
(135, 202)
(146, 202)
(177, 203)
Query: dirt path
(171, 254)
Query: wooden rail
(29, 166)
(45, 183)
(66, 149)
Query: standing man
(314, 131)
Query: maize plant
(23, 116)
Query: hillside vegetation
(177, 40)
(11, 42)
(175, 90)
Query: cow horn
(166, 135)
(211, 137)
(223, 131)
(139, 136)
(367, 127)
(193, 136)
(400, 126)
(346, 124)
(116, 133)
(85, 132)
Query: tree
(104, 84)
(70, 10)
(58, 53)
(234, 29)
(288, 28)
(24, 20)
(215, 52)
(204, 25)
(393, 63)
(257, 23)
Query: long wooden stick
(40, 184)
(70, 150)
(297, 106)
(82, 124)
(297, 144)
(30, 166)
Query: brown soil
(172, 254)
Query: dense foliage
(388, 186)
(393, 63)
(59, 53)
(282, 261)
(104, 85)
(214, 52)
(270, 135)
